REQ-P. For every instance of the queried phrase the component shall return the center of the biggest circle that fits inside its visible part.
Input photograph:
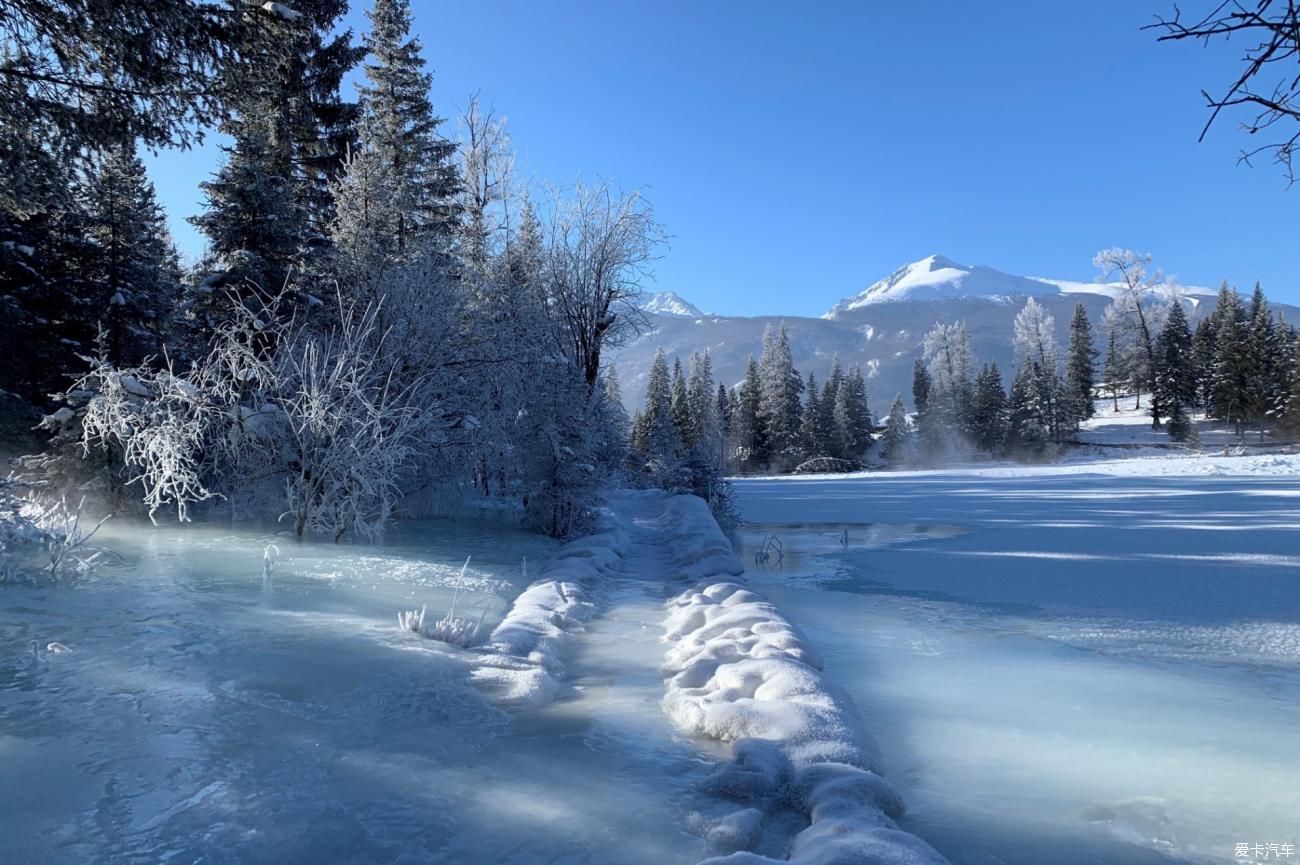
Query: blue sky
(799, 152)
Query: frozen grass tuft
(451, 629)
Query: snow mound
(737, 671)
(523, 657)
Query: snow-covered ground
(1088, 663)
(1129, 428)
(1096, 662)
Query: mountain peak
(937, 277)
(668, 303)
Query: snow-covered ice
(1087, 663)
(523, 663)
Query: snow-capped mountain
(937, 278)
(668, 303)
(879, 329)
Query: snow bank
(737, 671)
(523, 657)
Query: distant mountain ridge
(880, 328)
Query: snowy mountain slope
(668, 303)
(881, 329)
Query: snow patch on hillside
(737, 671)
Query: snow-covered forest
(1238, 365)
(386, 316)
(338, 542)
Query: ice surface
(206, 714)
(1102, 666)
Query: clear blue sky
(798, 152)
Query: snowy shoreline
(737, 671)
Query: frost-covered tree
(1035, 347)
(599, 245)
(947, 357)
(1080, 368)
(1141, 305)
(486, 163)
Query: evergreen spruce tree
(779, 401)
(1232, 374)
(751, 432)
(839, 444)
(1080, 373)
(1264, 348)
(1027, 432)
(136, 270)
(852, 415)
(659, 444)
(1203, 359)
(681, 406)
(270, 205)
(1114, 373)
(893, 442)
(990, 411)
(813, 437)
(1289, 416)
(400, 132)
(921, 403)
(1175, 372)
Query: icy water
(206, 713)
(1068, 670)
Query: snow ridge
(737, 671)
(522, 664)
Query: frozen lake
(1065, 666)
(1060, 665)
(204, 714)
